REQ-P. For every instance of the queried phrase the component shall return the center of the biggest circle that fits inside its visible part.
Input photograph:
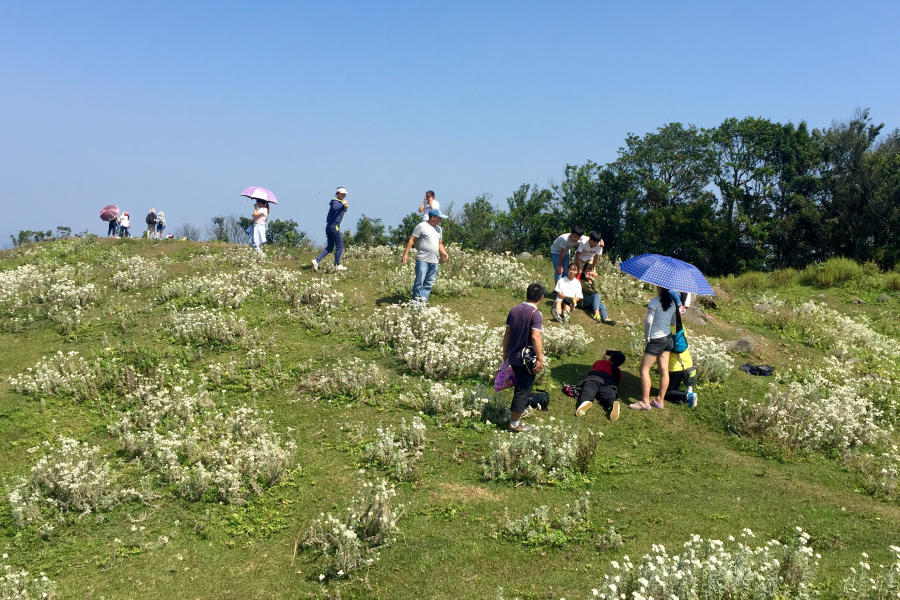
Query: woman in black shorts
(657, 336)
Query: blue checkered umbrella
(669, 273)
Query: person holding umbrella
(261, 209)
(667, 274)
(336, 210)
(111, 214)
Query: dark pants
(594, 390)
(673, 394)
(334, 243)
(522, 391)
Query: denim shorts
(657, 346)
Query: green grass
(657, 477)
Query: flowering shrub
(434, 340)
(61, 375)
(398, 451)
(449, 403)
(203, 449)
(712, 361)
(548, 527)
(135, 273)
(205, 326)
(351, 542)
(377, 253)
(66, 292)
(218, 289)
(619, 288)
(354, 379)
(713, 569)
(549, 454)
(19, 286)
(399, 281)
(71, 477)
(822, 410)
(866, 584)
(565, 340)
(20, 585)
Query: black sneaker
(545, 403)
(521, 428)
(583, 408)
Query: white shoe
(340, 268)
(315, 265)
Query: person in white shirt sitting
(568, 293)
(428, 204)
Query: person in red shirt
(601, 384)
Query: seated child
(682, 370)
(601, 384)
(568, 292)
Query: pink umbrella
(109, 213)
(258, 193)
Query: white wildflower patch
(398, 450)
(136, 272)
(866, 582)
(201, 448)
(384, 254)
(549, 454)
(19, 584)
(450, 403)
(350, 542)
(205, 326)
(66, 292)
(21, 285)
(709, 568)
(434, 340)
(710, 357)
(562, 340)
(548, 526)
(70, 477)
(353, 379)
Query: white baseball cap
(341, 191)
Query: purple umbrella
(258, 193)
(109, 213)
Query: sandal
(656, 404)
(639, 406)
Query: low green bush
(832, 272)
(782, 277)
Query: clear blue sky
(182, 105)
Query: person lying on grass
(590, 292)
(568, 292)
(601, 385)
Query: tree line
(749, 194)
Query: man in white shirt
(559, 251)
(568, 293)
(431, 247)
(428, 204)
(589, 250)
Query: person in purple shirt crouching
(524, 349)
(337, 208)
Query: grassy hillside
(209, 406)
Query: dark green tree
(369, 232)
(400, 235)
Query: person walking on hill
(591, 296)
(151, 224)
(257, 229)
(431, 250)
(559, 251)
(661, 313)
(589, 249)
(336, 210)
(113, 229)
(524, 349)
(160, 225)
(125, 225)
(428, 204)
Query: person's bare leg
(558, 305)
(662, 365)
(646, 362)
